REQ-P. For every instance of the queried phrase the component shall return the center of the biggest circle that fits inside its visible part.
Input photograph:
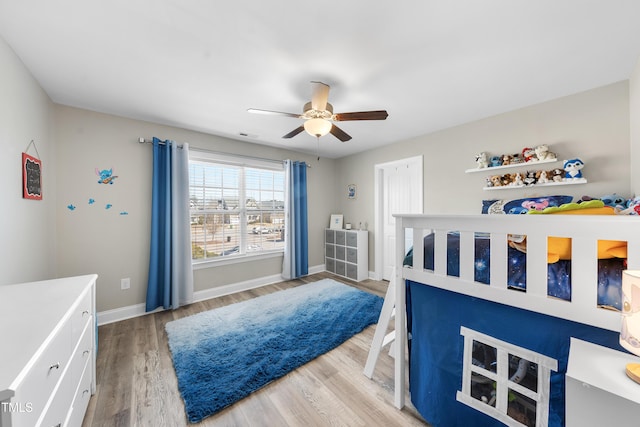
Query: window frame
(501, 377)
(242, 163)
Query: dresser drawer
(56, 413)
(39, 383)
(81, 315)
(81, 399)
(82, 354)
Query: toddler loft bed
(486, 349)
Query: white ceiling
(432, 64)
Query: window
(237, 207)
(506, 382)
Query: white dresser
(598, 391)
(47, 352)
(347, 253)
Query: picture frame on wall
(351, 191)
(336, 222)
(31, 177)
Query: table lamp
(630, 332)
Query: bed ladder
(380, 337)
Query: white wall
(27, 228)
(634, 113)
(592, 125)
(93, 239)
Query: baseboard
(124, 313)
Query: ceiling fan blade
(361, 115)
(339, 133)
(273, 113)
(294, 132)
(319, 96)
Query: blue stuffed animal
(573, 168)
(496, 161)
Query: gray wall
(27, 229)
(634, 107)
(99, 240)
(592, 125)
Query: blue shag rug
(222, 355)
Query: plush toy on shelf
(506, 179)
(528, 154)
(542, 177)
(517, 179)
(556, 174)
(496, 161)
(481, 160)
(530, 178)
(506, 159)
(543, 153)
(517, 159)
(496, 181)
(573, 169)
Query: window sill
(199, 265)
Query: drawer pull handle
(58, 425)
(85, 353)
(84, 392)
(56, 366)
(85, 312)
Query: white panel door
(402, 193)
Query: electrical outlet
(125, 283)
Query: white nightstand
(598, 392)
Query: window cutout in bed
(559, 267)
(482, 260)
(612, 259)
(504, 381)
(453, 253)
(517, 262)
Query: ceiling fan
(318, 115)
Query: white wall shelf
(573, 181)
(531, 164)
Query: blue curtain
(170, 282)
(296, 241)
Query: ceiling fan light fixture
(317, 127)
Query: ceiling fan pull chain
(318, 146)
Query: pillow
(520, 206)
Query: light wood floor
(136, 382)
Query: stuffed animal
(517, 159)
(517, 179)
(506, 159)
(573, 169)
(633, 207)
(481, 160)
(535, 205)
(528, 154)
(496, 161)
(496, 181)
(530, 178)
(542, 177)
(556, 174)
(618, 203)
(506, 179)
(488, 182)
(543, 153)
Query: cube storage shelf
(346, 253)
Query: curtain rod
(144, 141)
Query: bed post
(400, 328)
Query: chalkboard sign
(31, 177)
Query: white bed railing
(585, 231)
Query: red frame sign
(31, 177)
